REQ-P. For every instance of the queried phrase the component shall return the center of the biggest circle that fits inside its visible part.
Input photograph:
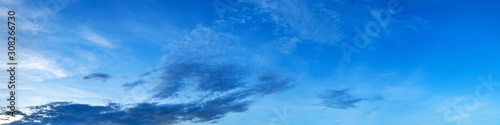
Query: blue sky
(256, 62)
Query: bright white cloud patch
(4, 119)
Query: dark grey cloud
(212, 78)
(342, 99)
(205, 77)
(129, 86)
(66, 113)
(102, 77)
(231, 88)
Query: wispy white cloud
(93, 37)
(31, 17)
(39, 68)
(315, 22)
(36, 67)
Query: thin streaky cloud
(96, 39)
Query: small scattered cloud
(342, 99)
(271, 82)
(102, 77)
(148, 73)
(339, 99)
(129, 86)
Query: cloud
(224, 88)
(43, 64)
(129, 86)
(327, 22)
(141, 113)
(96, 39)
(339, 99)
(37, 67)
(148, 73)
(342, 99)
(102, 77)
(5, 119)
(208, 76)
(319, 21)
(271, 82)
(203, 76)
(285, 45)
(203, 41)
(34, 17)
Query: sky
(254, 62)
